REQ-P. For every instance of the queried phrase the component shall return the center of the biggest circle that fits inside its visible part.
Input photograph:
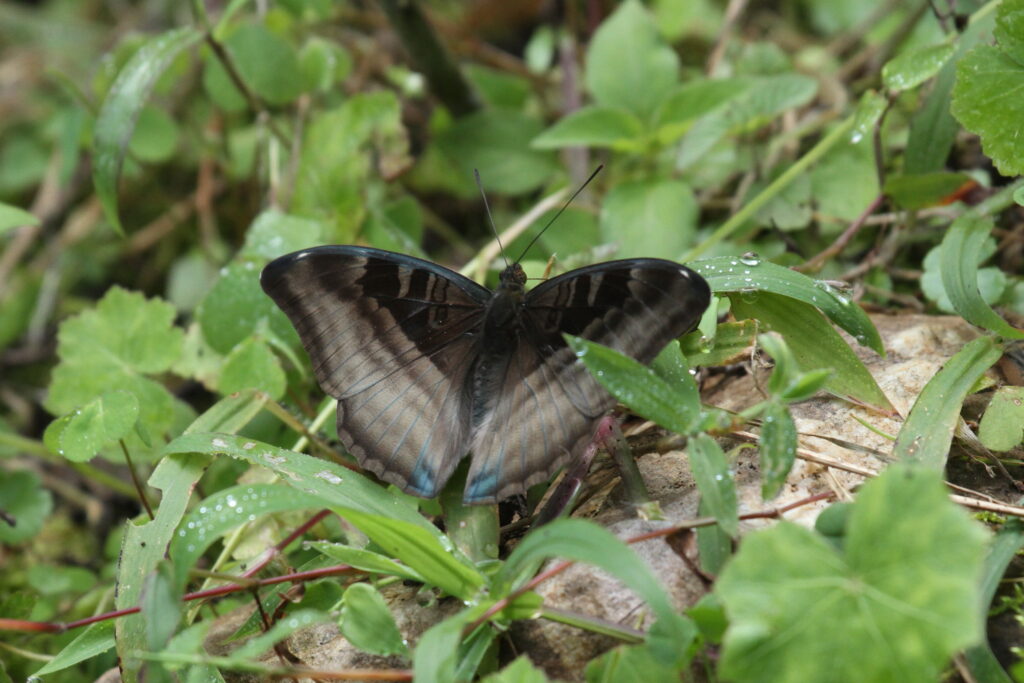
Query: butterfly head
(513, 278)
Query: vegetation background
(801, 154)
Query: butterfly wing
(545, 411)
(390, 336)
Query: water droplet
(329, 477)
(219, 443)
(750, 259)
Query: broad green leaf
(115, 122)
(638, 386)
(437, 652)
(267, 63)
(961, 252)
(334, 485)
(161, 606)
(521, 670)
(714, 545)
(274, 234)
(630, 663)
(649, 218)
(594, 126)
(987, 78)
(717, 488)
(745, 274)
(628, 64)
(367, 622)
(226, 510)
(13, 217)
(778, 448)
(93, 641)
(896, 604)
(870, 109)
(991, 281)
(252, 365)
(928, 429)
(1002, 426)
(430, 554)
(845, 182)
(913, 67)
(499, 89)
(814, 343)
(922, 190)
(24, 499)
(691, 101)
(670, 365)
(82, 433)
(732, 342)
(497, 143)
(236, 306)
(365, 560)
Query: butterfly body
(428, 366)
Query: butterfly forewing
(545, 409)
(389, 337)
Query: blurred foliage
(154, 156)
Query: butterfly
(429, 366)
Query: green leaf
(628, 64)
(694, 99)
(961, 252)
(732, 341)
(918, 191)
(365, 560)
(81, 434)
(1002, 426)
(267, 63)
(715, 482)
(630, 663)
(13, 217)
(521, 670)
(913, 67)
(115, 122)
(437, 652)
(161, 606)
(987, 78)
(281, 629)
(594, 126)
(156, 135)
(236, 307)
(714, 546)
(497, 143)
(367, 622)
(649, 218)
(334, 485)
(252, 365)
(24, 499)
(274, 234)
(928, 429)
(745, 274)
(778, 448)
(638, 386)
(93, 641)
(814, 343)
(431, 555)
(896, 605)
(583, 541)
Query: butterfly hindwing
(389, 336)
(546, 405)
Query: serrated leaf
(593, 126)
(814, 343)
(1002, 425)
(82, 433)
(733, 274)
(778, 448)
(649, 217)
(928, 429)
(717, 488)
(960, 255)
(115, 122)
(13, 217)
(899, 601)
(625, 52)
(638, 386)
(913, 67)
(367, 622)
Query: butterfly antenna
(490, 218)
(560, 211)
